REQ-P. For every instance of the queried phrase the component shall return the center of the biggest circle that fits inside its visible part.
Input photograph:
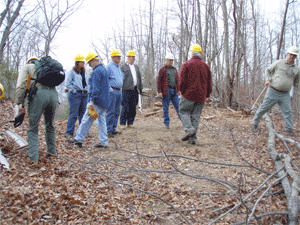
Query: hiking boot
(192, 142)
(110, 135)
(71, 140)
(75, 142)
(167, 126)
(117, 132)
(130, 126)
(254, 127)
(98, 145)
(79, 144)
(188, 135)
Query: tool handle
(259, 96)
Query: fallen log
(290, 190)
(152, 113)
(3, 161)
(20, 141)
(158, 104)
(232, 113)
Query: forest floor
(147, 175)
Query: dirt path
(145, 175)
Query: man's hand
(21, 109)
(179, 92)
(267, 83)
(160, 95)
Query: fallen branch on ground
(290, 190)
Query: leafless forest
(239, 38)
(148, 176)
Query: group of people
(101, 95)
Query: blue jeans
(87, 123)
(129, 102)
(77, 105)
(113, 110)
(171, 97)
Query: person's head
(131, 57)
(32, 60)
(79, 63)
(115, 56)
(196, 50)
(169, 59)
(292, 54)
(92, 59)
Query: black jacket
(128, 80)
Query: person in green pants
(280, 77)
(44, 102)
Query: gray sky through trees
(97, 18)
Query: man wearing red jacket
(167, 88)
(195, 85)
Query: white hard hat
(293, 50)
(169, 56)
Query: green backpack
(49, 72)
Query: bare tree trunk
(226, 52)
(7, 29)
(181, 33)
(282, 29)
(4, 12)
(199, 27)
(150, 47)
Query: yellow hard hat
(115, 52)
(1, 91)
(79, 57)
(131, 53)
(32, 58)
(91, 55)
(196, 48)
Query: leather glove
(93, 113)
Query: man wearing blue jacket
(98, 101)
(116, 77)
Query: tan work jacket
(283, 75)
(22, 80)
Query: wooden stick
(258, 97)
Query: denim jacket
(115, 75)
(74, 81)
(99, 88)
